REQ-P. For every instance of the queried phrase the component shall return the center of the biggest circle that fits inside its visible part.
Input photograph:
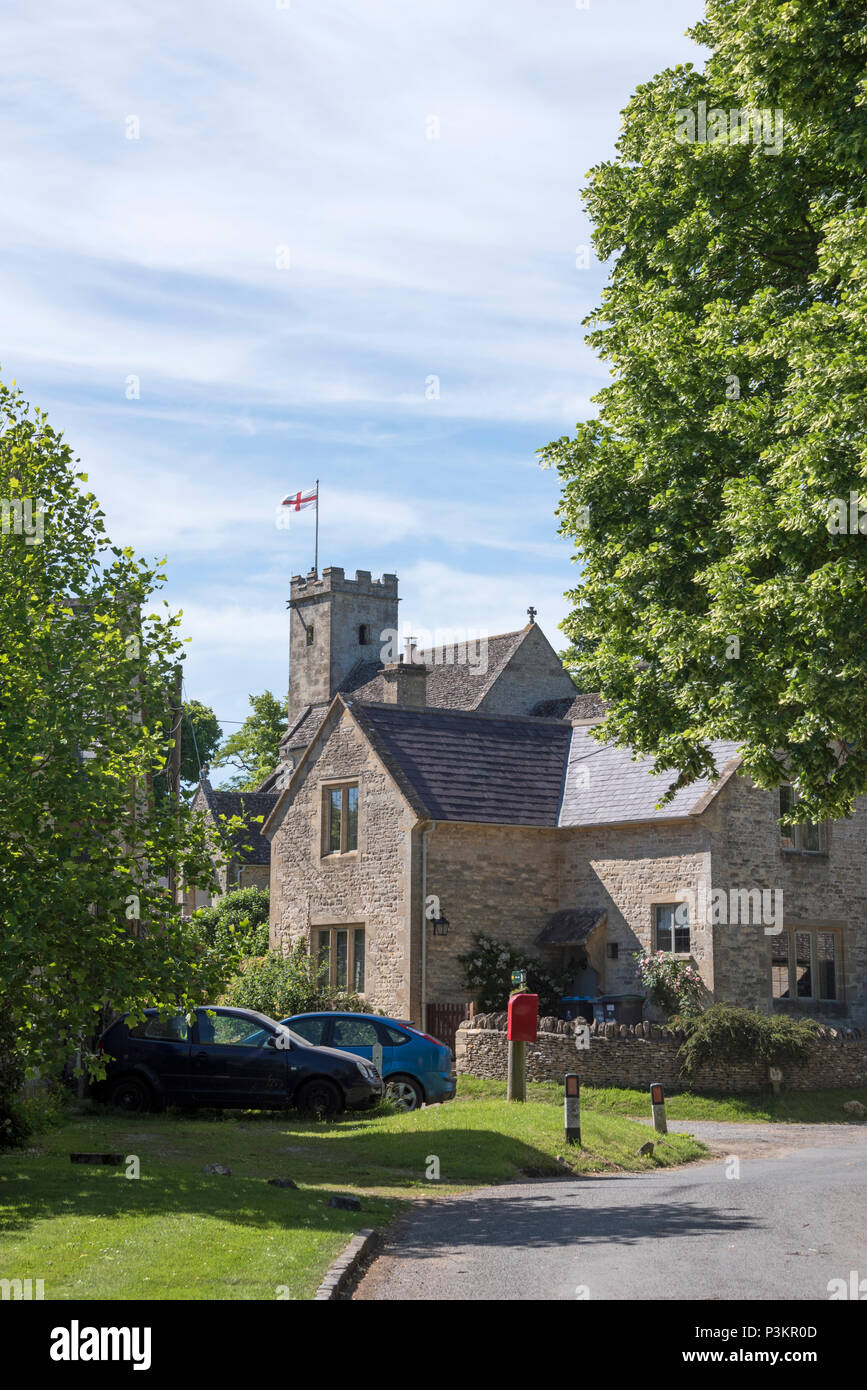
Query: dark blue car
(228, 1057)
(416, 1068)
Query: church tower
(334, 622)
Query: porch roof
(571, 926)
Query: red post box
(523, 1017)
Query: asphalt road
(795, 1218)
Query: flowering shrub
(488, 967)
(674, 985)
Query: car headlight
(368, 1071)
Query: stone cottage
(420, 801)
(248, 865)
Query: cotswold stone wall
(622, 1055)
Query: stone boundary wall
(636, 1056)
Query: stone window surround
(795, 850)
(656, 899)
(322, 854)
(813, 926)
(333, 924)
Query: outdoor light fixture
(441, 926)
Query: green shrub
(43, 1109)
(237, 922)
(488, 967)
(279, 985)
(726, 1033)
(14, 1126)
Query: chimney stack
(405, 683)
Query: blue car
(416, 1068)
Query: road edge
(340, 1273)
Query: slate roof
(570, 926)
(249, 805)
(571, 708)
(305, 728)
(460, 766)
(604, 785)
(450, 684)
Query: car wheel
(403, 1092)
(132, 1095)
(320, 1098)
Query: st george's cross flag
(298, 501)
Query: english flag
(298, 501)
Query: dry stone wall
(636, 1056)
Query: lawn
(804, 1107)
(174, 1232)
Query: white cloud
(305, 127)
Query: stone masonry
(371, 887)
(622, 1055)
(336, 609)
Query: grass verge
(796, 1107)
(175, 1233)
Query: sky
(252, 243)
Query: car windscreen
(266, 1033)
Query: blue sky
(300, 132)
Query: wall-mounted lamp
(441, 925)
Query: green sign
(519, 978)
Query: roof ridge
(489, 637)
(442, 711)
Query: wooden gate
(443, 1019)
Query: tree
(255, 748)
(280, 985)
(200, 737)
(723, 588)
(86, 671)
(238, 920)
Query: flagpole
(316, 547)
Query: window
(354, 1032)
(804, 964)
(393, 1036)
(672, 927)
(312, 1030)
(162, 1028)
(805, 837)
(826, 964)
(308, 632)
(341, 951)
(341, 819)
(364, 635)
(230, 1030)
(780, 966)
